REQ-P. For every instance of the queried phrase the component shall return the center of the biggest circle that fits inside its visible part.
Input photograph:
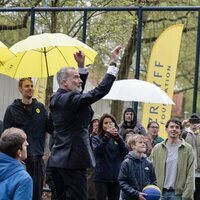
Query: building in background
(177, 109)
(8, 92)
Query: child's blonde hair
(133, 139)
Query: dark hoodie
(134, 175)
(135, 125)
(15, 182)
(33, 119)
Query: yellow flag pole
(162, 71)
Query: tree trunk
(125, 64)
(49, 88)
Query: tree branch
(183, 90)
(153, 39)
(168, 19)
(19, 26)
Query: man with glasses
(173, 160)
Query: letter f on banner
(162, 72)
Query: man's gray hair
(63, 74)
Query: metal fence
(33, 18)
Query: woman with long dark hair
(109, 149)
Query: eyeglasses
(154, 127)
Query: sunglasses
(154, 127)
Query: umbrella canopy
(43, 55)
(5, 53)
(139, 91)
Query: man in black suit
(71, 114)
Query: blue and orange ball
(152, 192)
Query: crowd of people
(92, 157)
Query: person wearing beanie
(130, 122)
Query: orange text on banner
(162, 71)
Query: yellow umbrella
(43, 55)
(5, 53)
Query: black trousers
(70, 184)
(197, 189)
(50, 182)
(106, 190)
(36, 168)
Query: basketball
(152, 192)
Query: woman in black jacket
(109, 149)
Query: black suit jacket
(71, 113)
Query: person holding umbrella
(71, 113)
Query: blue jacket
(71, 114)
(15, 182)
(33, 120)
(109, 155)
(134, 175)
